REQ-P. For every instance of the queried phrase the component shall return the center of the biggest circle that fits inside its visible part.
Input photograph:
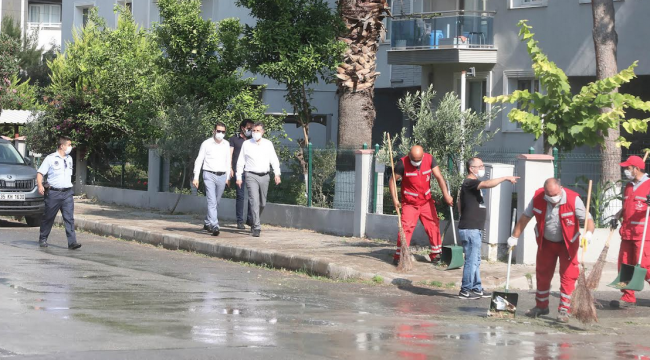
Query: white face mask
(219, 136)
(628, 175)
(257, 136)
(68, 150)
(553, 199)
(248, 133)
(416, 163)
(481, 173)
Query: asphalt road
(122, 300)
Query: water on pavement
(116, 299)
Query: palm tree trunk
(356, 75)
(605, 43)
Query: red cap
(634, 161)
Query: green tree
(294, 42)
(8, 64)
(441, 133)
(106, 86)
(201, 61)
(567, 120)
(32, 58)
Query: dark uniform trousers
(55, 201)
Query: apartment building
(448, 37)
(36, 16)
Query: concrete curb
(312, 265)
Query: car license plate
(12, 197)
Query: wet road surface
(122, 300)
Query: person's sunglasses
(221, 132)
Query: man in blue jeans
(471, 224)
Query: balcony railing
(36, 25)
(443, 30)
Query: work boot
(563, 316)
(395, 261)
(435, 260)
(536, 312)
(620, 304)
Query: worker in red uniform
(558, 212)
(416, 170)
(636, 199)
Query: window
(45, 14)
(127, 4)
(85, 13)
(514, 4)
(532, 85)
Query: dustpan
(632, 277)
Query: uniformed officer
(58, 169)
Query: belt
(218, 173)
(258, 174)
(59, 189)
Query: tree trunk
(180, 194)
(605, 43)
(356, 117)
(356, 74)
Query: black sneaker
(74, 246)
(42, 244)
(240, 225)
(620, 304)
(215, 231)
(468, 295)
(483, 294)
(206, 227)
(395, 261)
(256, 233)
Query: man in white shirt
(256, 157)
(214, 158)
(58, 168)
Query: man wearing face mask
(558, 212)
(256, 158)
(58, 168)
(472, 221)
(236, 142)
(214, 158)
(636, 199)
(416, 170)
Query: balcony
(49, 34)
(445, 37)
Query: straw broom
(405, 262)
(582, 301)
(594, 276)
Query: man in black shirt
(472, 221)
(236, 141)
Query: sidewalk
(325, 255)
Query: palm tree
(356, 75)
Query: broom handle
(512, 227)
(392, 167)
(645, 229)
(645, 226)
(451, 212)
(584, 248)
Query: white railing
(35, 25)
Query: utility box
(498, 203)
